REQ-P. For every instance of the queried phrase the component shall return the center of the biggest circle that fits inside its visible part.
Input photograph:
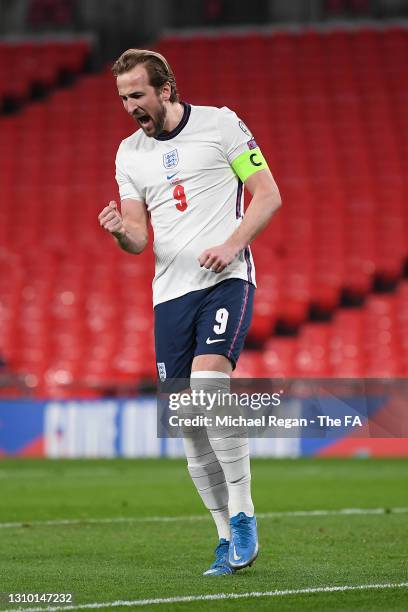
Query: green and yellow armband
(248, 163)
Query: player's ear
(166, 92)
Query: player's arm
(129, 228)
(264, 203)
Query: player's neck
(175, 112)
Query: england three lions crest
(170, 159)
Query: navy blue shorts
(204, 322)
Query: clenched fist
(111, 219)
(217, 258)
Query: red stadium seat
(329, 111)
(25, 64)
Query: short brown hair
(156, 65)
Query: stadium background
(322, 85)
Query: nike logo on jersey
(236, 558)
(170, 176)
(209, 341)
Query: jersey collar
(179, 127)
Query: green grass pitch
(148, 559)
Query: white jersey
(193, 196)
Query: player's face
(142, 101)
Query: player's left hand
(217, 258)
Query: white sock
(221, 519)
(233, 456)
(208, 478)
(232, 452)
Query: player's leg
(209, 479)
(175, 345)
(230, 445)
(225, 317)
(232, 451)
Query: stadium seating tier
(328, 110)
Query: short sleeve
(236, 137)
(127, 188)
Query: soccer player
(185, 169)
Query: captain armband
(248, 163)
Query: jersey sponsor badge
(170, 159)
(252, 144)
(161, 369)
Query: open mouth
(144, 120)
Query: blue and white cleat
(243, 548)
(220, 566)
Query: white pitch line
(216, 597)
(202, 517)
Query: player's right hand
(111, 219)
